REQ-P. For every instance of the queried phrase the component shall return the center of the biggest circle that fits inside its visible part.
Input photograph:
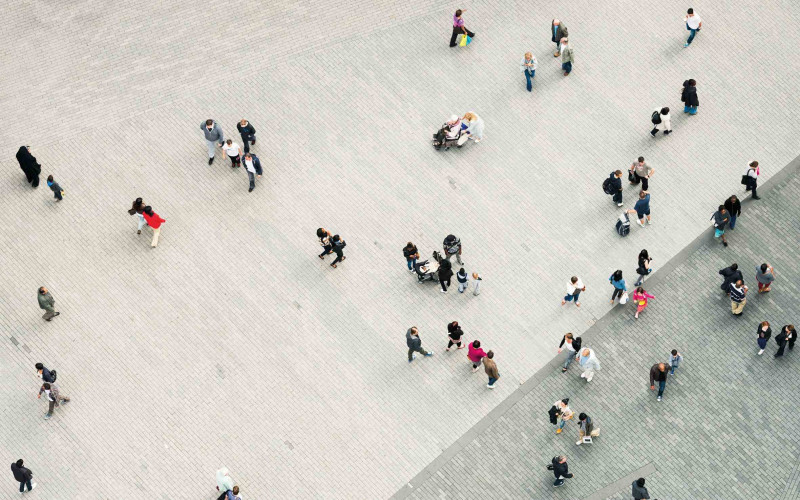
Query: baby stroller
(441, 141)
(426, 271)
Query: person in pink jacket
(640, 297)
(476, 355)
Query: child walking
(640, 297)
(675, 359)
(58, 193)
(461, 276)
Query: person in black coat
(248, 133)
(47, 375)
(731, 275)
(560, 470)
(734, 208)
(29, 165)
(615, 186)
(23, 475)
(689, 97)
(445, 273)
(454, 333)
(788, 335)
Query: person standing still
(615, 186)
(461, 277)
(414, 344)
(763, 333)
(154, 221)
(765, 275)
(693, 24)
(574, 289)
(660, 116)
(452, 246)
(565, 413)
(528, 68)
(248, 133)
(567, 56)
(658, 373)
(640, 172)
(58, 193)
(138, 209)
(586, 428)
(642, 208)
(29, 165)
(730, 275)
(572, 345)
(23, 475)
(689, 97)
(750, 178)
(54, 398)
(788, 336)
(734, 208)
(558, 30)
(476, 283)
(720, 218)
(638, 491)
(459, 28)
(338, 245)
(491, 369)
(411, 254)
(560, 470)
(213, 134)
(618, 283)
(47, 302)
(738, 297)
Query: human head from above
(209, 124)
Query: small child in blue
(58, 193)
(674, 360)
(461, 276)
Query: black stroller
(426, 271)
(441, 141)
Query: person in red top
(475, 354)
(154, 221)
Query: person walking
(459, 28)
(638, 491)
(675, 359)
(248, 133)
(763, 333)
(589, 363)
(642, 208)
(476, 283)
(154, 221)
(45, 374)
(658, 117)
(565, 414)
(213, 134)
(618, 283)
(750, 178)
(414, 344)
(411, 254)
(730, 275)
(567, 56)
(253, 167)
(491, 369)
(445, 273)
(475, 355)
(29, 165)
(574, 289)
(560, 470)
(325, 242)
(658, 373)
(233, 152)
(572, 346)
(734, 208)
(338, 244)
(23, 475)
(720, 218)
(645, 266)
(613, 186)
(558, 31)
(765, 275)
(138, 209)
(452, 246)
(640, 172)
(454, 333)
(586, 428)
(47, 302)
(224, 483)
(555, 411)
(528, 68)
(54, 398)
(58, 193)
(474, 126)
(461, 277)
(693, 24)
(640, 297)
(738, 297)
(788, 336)
(689, 97)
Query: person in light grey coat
(213, 134)
(47, 302)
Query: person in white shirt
(693, 24)
(253, 167)
(663, 115)
(528, 66)
(233, 152)
(750, 178)
(574, 289)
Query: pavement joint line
(622, 483)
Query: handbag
(745, 180)
(631, 178)
(623, 299)
(463, 42)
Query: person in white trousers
(663, 115)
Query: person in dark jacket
(23, 475)
(586, 428)
(788, 335)
(414, 344)
(29, 165)
(573, 347)
(721, 219)
(46, 375)
(338, 245)
(658, 373)
(48, 303)
(615, 186)
(644, 266)
(248, 133)
(763, 333)
(411, 254)
(734, 208)
(445, 273)
(560, 470)
(558, 30)
(454, 333)
(138, 209)
(252, 166)
(731, 274)
(324, 241)
(638, 490)
(58, 193)
(689, 97)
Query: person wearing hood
(689, 97)
(29, 165)
(414, 344)
(224, 483)
(445, 273)
(638, 491)
(589, 363)
(23, 475)
(730, 274)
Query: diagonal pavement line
(483, 424)
(622, 483)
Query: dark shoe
(56, 314)
(653, 133)
(725, 243)
(667, 132)
(253, 142)
(139, 231)
(756, 197)
(250, 190)
(211, 160)
(333, 266)
(563, 370)
(549, 467)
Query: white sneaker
(474, 370)
(649, 222)
(619, 204)
(640, 223)
(579, 442)
(588, 379)
(760, 352)
(490, 386)
(444, 291)
(583, 375)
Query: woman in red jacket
(154, 221)
(475, 354)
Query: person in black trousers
(338, 245)
(560, 470)
(459, 28)
(731, 275)
(750, 178)
(788, 335)
(248, 133)
(445, 273)
(23, 475)
(454, 333)
(29, 165)
(324, 241)
(615, 186)
(734, 208)
(644, 267)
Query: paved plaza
(232, 345)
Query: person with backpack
(750, 178)
(642, 208)
(689, 97)
(618, 283)
(640, 172)
(613, 186)
(644, 266)
(338, 245)
(734, 208)
(573, 346)
(452, 246)
(720, 218)
(658, 117)
(411, 254)
(46, 375)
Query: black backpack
(607, 186)
(655, 118)
(54, 375)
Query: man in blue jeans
(693, 24)
(23, 475)
(658, 372)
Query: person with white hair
(589, 363)
(453, 127)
